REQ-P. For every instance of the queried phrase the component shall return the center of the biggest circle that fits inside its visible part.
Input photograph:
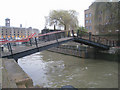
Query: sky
(31, 13)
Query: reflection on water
(50, 69)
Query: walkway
(21, 51)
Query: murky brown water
(50, 69)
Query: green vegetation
(63, 18)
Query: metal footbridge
(34, 44)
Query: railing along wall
(94, 38)
(33, 40)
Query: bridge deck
(21, 51)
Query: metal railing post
(113, 43)
(56, 37)
(30, 42)
(68, 33)
(73, 33)
(10, 49)
(36, 42)
(106, 42)
(90, 36)
(77, 33)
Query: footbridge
(34, 44)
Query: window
(90, 21)
(86, 21)
(86, 15)
(86, 27)
(90, 14)
(90, 28)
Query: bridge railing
(34, 41)
(95, 38)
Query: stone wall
(85, 52)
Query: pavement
(12, 75)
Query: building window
(90, 21)
(90, 14)
(86, 21)
(86, 27)
(90, 28)
(86, 15)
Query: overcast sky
(31, 13)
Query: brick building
(8, 32)
(102, 18)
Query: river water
(54, 70)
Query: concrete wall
(13, 76)
(85, 52)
